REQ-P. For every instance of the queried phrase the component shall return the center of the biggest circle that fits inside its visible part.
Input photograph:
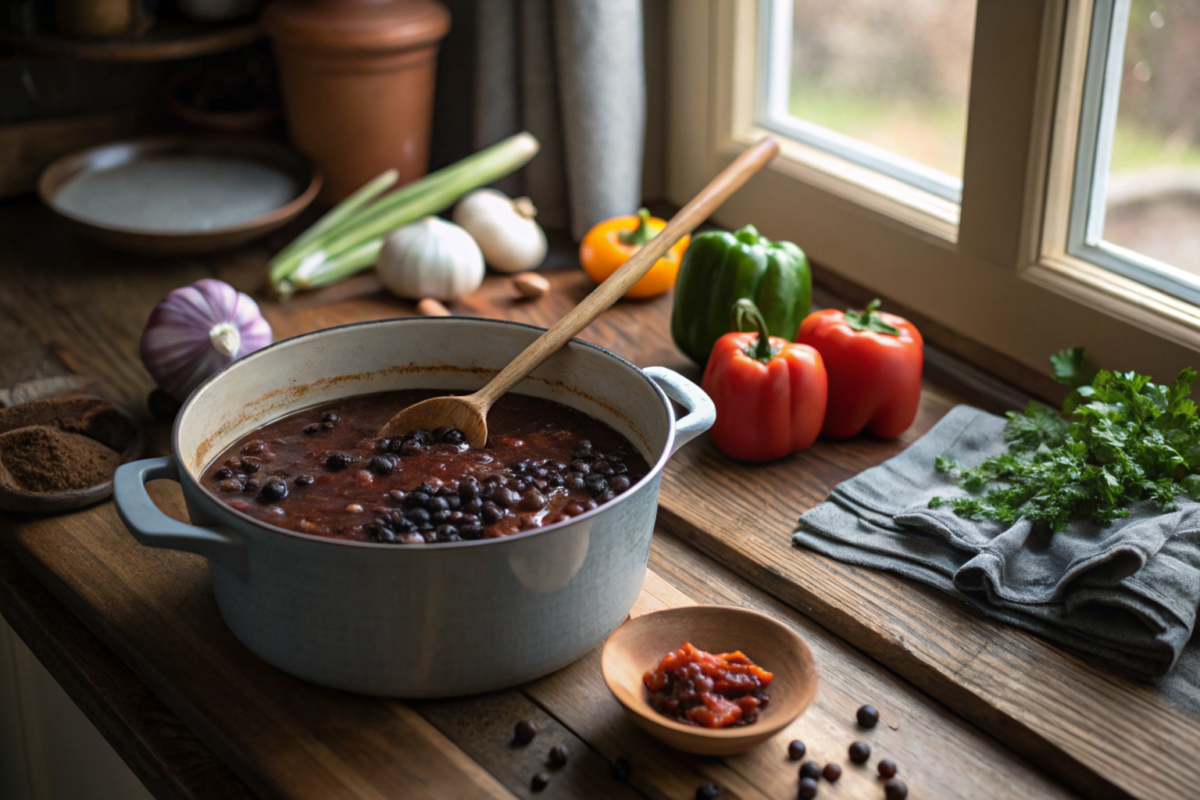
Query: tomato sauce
(706, 689)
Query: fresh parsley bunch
(1120, 439)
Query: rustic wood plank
(160, 750)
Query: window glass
(894, 75)
(1152, 195)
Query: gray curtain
(570, 72)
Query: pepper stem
(869, 320)
(761, 349)
(642, 233)
(225, 339)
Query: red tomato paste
(707, 689)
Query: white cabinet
(48, 748)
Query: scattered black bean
(832, 772)
(860, 752)
(335, 462)
(887, 768)
(397, 495)
(708, 791)
(796, 750)
(330, 416)
(808, 788)
(252, 485)
(618, 483)
(410, 447)
(810, 769)
(895, 789)
(381, 465)
(596, 485)
(304, 480)
(525, 731)
(868, 716)
(539, 782)
(274, 489)
(558, 755)
(231, 485)
(620, 768)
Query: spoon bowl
(469, 414)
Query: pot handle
(153, 528)
(701, 413)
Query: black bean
(330, 416)
(381, 465)
(335, 462)
(619, 468)
(506, 498)
(808, 788)
(620, 768)
(312, 430)
(382, 445)
(473, 505)
(251, 465)
(251, 485)
(860, 752)
(411, 538)
(468, 488)
(539, 782)
(427, 488)
(395, 445)
(524, 732)
(619, 483)
(418, 516)
(533, 500)
(602, 468)
(895, 789)
(420, 435)
(454, 501)
(274, 489)
(435, 504)
(438, 433)
(379, 531)
(453, 436)
(868, 716)
(708, 791)
(402, 524)
(574, 482)
(447, 533)
(492, 513)
(887, 768)
(582, 467)
(810, 769)
(470, 532)
(410, 447)
(596, 485)
(441, 517)
(555, 479)
(469, 519)
(231, 485)
(556, 466)
(832, 772)
(417, 499)
(327, 426)
(304, 480)
(796, 750)
(558, 755)
(397, 495)
(224, 473)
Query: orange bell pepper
(612, 242)
(770, 393)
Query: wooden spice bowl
(640, 643)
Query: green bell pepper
(720, 268)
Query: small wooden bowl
(640, 643)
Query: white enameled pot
(417, 620)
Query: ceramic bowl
(640, 643)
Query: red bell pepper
(874, 362)
(769, 392)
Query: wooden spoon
(468, 413)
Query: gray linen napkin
(1126, 593)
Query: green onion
(351, 240)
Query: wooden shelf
(168, 40)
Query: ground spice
(91, 416)
(44, 459)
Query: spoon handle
(695, 212)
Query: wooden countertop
(972, 708)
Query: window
(1136, 204)
(967, 159)
(881, 83)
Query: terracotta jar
(357, 79)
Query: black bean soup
(325, 471)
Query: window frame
(995, 269)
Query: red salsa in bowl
(712, 690)
(325, 471)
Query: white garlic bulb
(505, 229)
(430, 258)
